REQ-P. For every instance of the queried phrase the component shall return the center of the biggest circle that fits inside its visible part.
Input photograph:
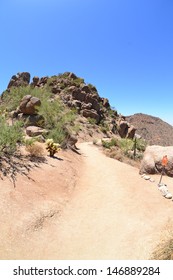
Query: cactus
(52, 147)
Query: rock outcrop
(29, 104)
(74, 93)
(125, 130)
(152, 160)
(21, 79)
(33, 131)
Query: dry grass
(35, 150)
(116, 153)
(164, 250)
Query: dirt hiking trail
(112, 214)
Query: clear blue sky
(123, 47)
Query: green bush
(12, 99)
(126, 145)
(78, 81)
(92, 121)
(51, 112)
(141, 145)
(57, 134)
(104, 127)
(54, 115)
(10, 136)
(111, 143)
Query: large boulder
(123, 129)
(35, 131)
(35, 81)
(77, 94)
(29, 104)
(105, 102)
(91, 114)
(152, 160)
(21, 79)
(131, 132)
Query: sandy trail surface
(112, 214)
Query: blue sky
(123, 47)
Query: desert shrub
(78, 81)
(60, 123)
(116, 153)
(104, 127)
(112, 113)
(51, 80)
(92, 121)
(56, 117)
(126, 145)
(10, 136)
(164, 251)
(12, 100)
(141, 145)
(93, 88)
(111, 143)
(69, 116)
(29, 141)
(58, 134)
(76, 128)
(51, 112)
(129, 150)
(35, 150)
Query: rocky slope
(95, 114)
(74, 93)
(153, 129)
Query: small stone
(152, 180)
(146, 177)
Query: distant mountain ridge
(153, 129)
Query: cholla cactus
(52, 147)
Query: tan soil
(112, 213)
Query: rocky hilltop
(94, 112)
(153, 129)
(75, 94)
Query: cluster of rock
(21, 79)
(75, 93)
(28, 111)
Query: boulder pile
(74, 93)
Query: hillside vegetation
(62, 108)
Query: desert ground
(84, 206)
